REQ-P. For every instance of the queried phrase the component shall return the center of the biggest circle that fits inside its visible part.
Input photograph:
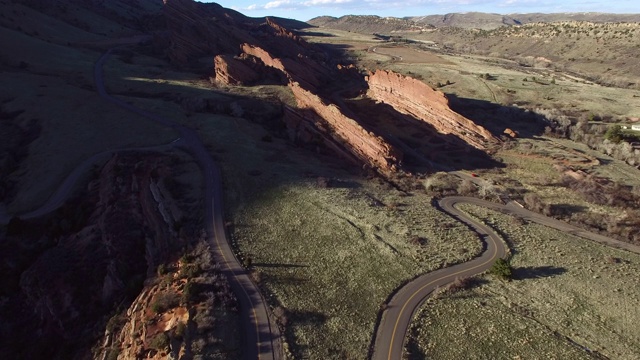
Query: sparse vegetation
(553, 310)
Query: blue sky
(307, 9)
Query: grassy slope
(605, 51)
(328, 256)
(584, 291)
(56, 89)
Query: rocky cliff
(232, 71)
(417, 99)
(196, 30)
(188, 311)
(301, 69)
(62, 274)
(331, 121)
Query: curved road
(261, 340)
(396, 317)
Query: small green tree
(502, 268)
(614, 134)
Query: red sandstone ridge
(231, 71)
(413, 97)
(302, 70)
(197, 30)
(363, 144)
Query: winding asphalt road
(396, 317)
(261, 340)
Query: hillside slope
(488, 21)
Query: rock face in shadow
(364, 145)
(302, 70)
(413, 97)
(196, 30)
(65, 272)
(232, 71)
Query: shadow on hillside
(496, 118)
(424, 148)
(314, 33)
(536, 272)
(265, 265)
(567, 209)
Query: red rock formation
(413, 97)
(302, 70)
(231, 71)
(281, 31)
(330, 120)
(511, 133)
(197, 29)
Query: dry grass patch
(327, 256)
(569, 294)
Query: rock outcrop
(232, 71)
(301, 70)
(196, 29)
(332, 122)
(93, 253)
(415, 98)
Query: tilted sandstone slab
(364, 145)
(301, 70)
(231, 71)
(415, 98)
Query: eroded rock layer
(415, 98)
(328, 118)
(301, 70)
(231, 71)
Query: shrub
(179, 330)
(189, 292)
(112, 353)
(159, 342)
(614, 134)
(164, 302)
(162, 269)
(190, 271)
(502, 268)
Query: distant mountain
(471, 20)
(369, 24)
(468, 20)
(488, 21)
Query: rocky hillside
(603, 52)
(64, 274)
(470, 20)
(488, 21)
(369, 24)
(99, 277)
(413, 97)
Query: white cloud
(279, 4)
(325, 2)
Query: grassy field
(568, 295)
(327, 257)
(509, 84)
(313, 249)
(76, 124)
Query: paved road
(396, 318)
(65, 189)
(261, 340)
